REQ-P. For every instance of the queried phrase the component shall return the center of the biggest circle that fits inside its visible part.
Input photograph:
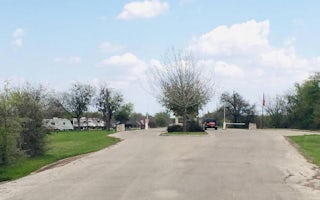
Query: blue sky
(250, 46)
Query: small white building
(57, 124)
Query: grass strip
(61, 145)
(309, 145)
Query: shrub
(32, 135)
(193, 126)
(174, 128)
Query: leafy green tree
(162, 119)
(93, 115)
(304, 105)
(152, 121)
(29, 111)
(78, 99)
(124, 113)
(9, 128)
(135, 118)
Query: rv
(58, 124)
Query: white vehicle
(58, 124)
(88, 123)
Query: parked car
(210, 123)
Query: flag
(263, 100)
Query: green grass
(310, 146)
(61, 145)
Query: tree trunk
(185, 121)
(78, 119)
(105, 119)
(109, 121)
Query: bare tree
(54, 108)
(77, 100)
(277, 110)
(108, 102)
(181, 86)
(237, 107)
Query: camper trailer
(58, 124)
(88, 123)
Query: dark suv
(210, 123)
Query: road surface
(224, 165)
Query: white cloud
(283, 58)
(110, 48)
(228, 70)
(247, 45)
(127, 73)
(19, 32)
(244, 60)
(317, 60)
(17, 37)
(143, 9)
(126, 59)
(126, 65)
(68, 60)
(238, 39)
(17, 42)
(156, 63)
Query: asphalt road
(225, 165)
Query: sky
(250, 46)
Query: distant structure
(88, 123)
(57, 124)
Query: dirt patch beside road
(60, 163)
